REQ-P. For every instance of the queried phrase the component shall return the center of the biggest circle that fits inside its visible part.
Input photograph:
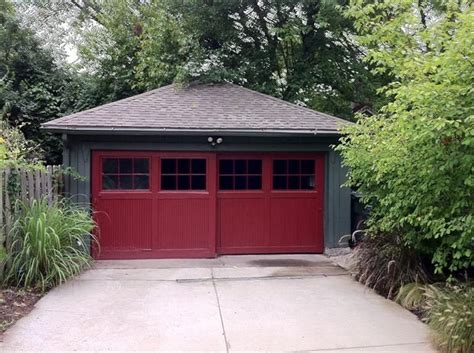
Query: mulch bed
(14, 304)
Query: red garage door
(154, 205)
(169, 204)
(270, 203)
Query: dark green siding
(77, 154)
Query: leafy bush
(448, 310)
(413, 162)
(49, 244)
(385, 264)
(15, 149)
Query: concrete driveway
(233, 303)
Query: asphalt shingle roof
(199, 107)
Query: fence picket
(23, 183)
(37, 184)
(31, 185)
(49, 181)
(7, 212)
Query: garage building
(204, 170)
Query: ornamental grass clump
(49, 244)
(447, 309)
(384, 263)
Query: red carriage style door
(191, 204)
(154, 204)
(270, 203)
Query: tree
(33, 87)
(413, 162)
(15, 149)
(301, 51)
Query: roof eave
(76, 130)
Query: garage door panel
(241, 222)
(125, 224)
(154, 204)
(181, 225)
(293, 222)
(287, 216)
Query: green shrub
(413, 161)
(448, 310)
(385, 264)
(49, 244)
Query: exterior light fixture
(215, 140)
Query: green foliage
(15, 150)
(34, 87)
(448, 310)
(109, 47)
(301, 51)
(414, 162)
(383, 263)
(50, 244)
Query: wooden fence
(26, 185)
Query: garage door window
(240, 174)
(293, 174)
(125, 173)
(183, 174)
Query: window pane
(168, 166)
(307, 167)
(141, 182)
(293, 182)
(126, 182)
(198, 182)
(254, 166)
(279, 167)
(240, 182)
(183, 182)
(226, 166)
(109, 182)
(240, 166)
(225, 183)
(254, 182)
(279, 182)
(183, 166)
(141, 165)
(307, 182)
(125, 165)
(198, 166)
(168, 182)
(183, 174)
(293, 166)
(109, 166)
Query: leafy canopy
(414, 162)
(34, 88)
(301, 51)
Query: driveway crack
(227, 344)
